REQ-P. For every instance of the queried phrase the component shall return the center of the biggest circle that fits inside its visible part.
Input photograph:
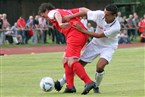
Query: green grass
(21, 74)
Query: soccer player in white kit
(103, 44)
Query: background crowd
(33, 30)
(37, 29)
(132, 27)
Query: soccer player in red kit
(75, 41)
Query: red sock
(80, 72)
(69, 76)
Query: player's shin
(79, 70)
(69, 76)
(98, 78)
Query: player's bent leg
(69, 75)
(81, 73)
(59, 83)
(99, 73)
(79, 70)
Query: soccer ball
(47, 84)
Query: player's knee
(71, 61)
(100, 69)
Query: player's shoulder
(116, 25)
(100, 13)
(97, 12)
(117, 22)
(51, 13)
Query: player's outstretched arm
(92, 34)
(82, 12)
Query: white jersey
(110, 30)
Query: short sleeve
(52, 13)
(91, 15)
(94, 15)
(113, 31)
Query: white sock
(62, 80)
(98, 78)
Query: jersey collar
(110, 24)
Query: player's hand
(78, 27)
(64, 25)
(66, 18)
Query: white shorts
(92, 51)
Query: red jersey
(141, 26)
(75, 39)
(70, 31)
(21, 23)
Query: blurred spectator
(136, 21)
(131, 26)
(17, 38)
(8, 35)
(1, 33)
(123, 25)
(91, 29)
(84, 21)
(119, 17)
(51, 32)
(141, 25)
(30, 25)
(123, 37)
(29, 30)
(30, 19)
(36, 30)
(42, 23)
(124, 20)
(60, 39)
(6, 24)
(21, 26)
(21, 22)
(142, 37)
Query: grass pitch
(124, 76)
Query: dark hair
(45, 6)
(113, 8)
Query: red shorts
(75, 43)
